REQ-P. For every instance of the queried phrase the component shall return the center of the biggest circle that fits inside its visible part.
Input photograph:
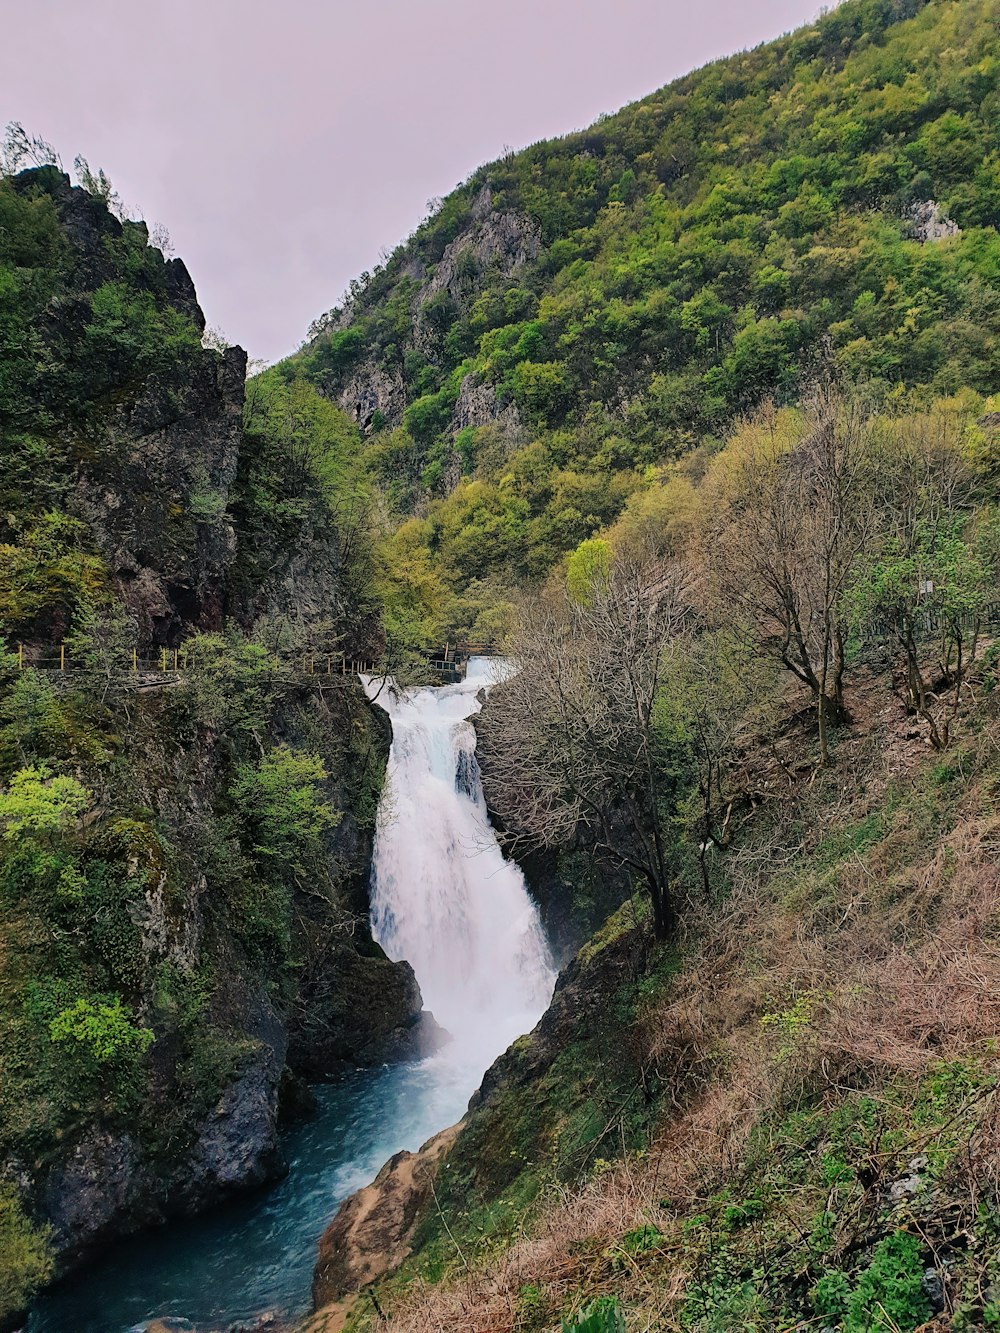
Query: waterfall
(443, 896)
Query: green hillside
(577, 315)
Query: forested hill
(595, 306)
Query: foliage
(281, 807)
(47, 577)
(25, 1256)
(38, 724)
(601, 1316)
(301, 479)
(280, 818)
(39, 804)
(888, 1294)
(588, 570)
(103, 1027)
(63, 379)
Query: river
(444, 898)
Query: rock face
(927, 223)
(373, 1230)
(477, 406)
(506, 241)
(351, 1006)
(109, 1185)
(154, 468)
(360, 1009)
(155, 497)
(374, 389)
(492, 241)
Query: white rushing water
(443, 896)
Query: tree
(933, 569)
(789, 510)
(21, 150)
(937, 589)
(283, 812)
(26, 1261)
(573, 744)
(102, 641)
(588, 570)
(932, 572)
(99, 186)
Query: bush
(25, 1256)
(103, 1027)
(39, 804)
(889, 1293)
(282, 810)
(47, 575)
(281, 817)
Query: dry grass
(818, 974)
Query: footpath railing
(171, 664)
(929, 624)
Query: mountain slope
(593, 307)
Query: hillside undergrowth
(818, 1062)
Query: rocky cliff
(185, 941)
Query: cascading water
(442, 897)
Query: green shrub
(39, 804)
(48, 574)
(282, 809)
(889, 1294)
(103, 1027)
(25, 1256)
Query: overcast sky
(284, 143)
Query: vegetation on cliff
(183, 853)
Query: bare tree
(718, 696)
(790, 509)
(573, 744)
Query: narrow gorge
(445, 900)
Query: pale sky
(283, 145)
